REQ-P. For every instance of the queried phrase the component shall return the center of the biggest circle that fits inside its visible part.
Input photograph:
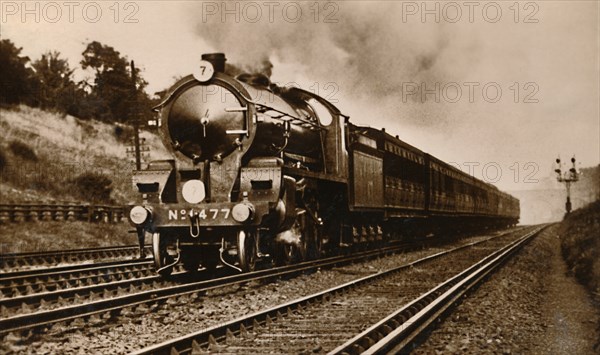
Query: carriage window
(322, 112)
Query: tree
(113, 87)
(15, 77)
(55, 86)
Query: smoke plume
(361, 61)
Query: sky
(498, 89)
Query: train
(262, 172)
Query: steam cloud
(367, 54)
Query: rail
(54, 257)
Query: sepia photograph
(300, 177)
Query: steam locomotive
(259, 171)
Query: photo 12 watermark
(493, 172)
(70, 11)
(270, 11)
(270, 94)
(470, 11)
(470, 91)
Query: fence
(17, 213)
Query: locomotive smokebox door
(206, 121)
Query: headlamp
(138, 215)
(193, 191)
(242, 212)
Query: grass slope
(580, 242)
(42, 155)
(48, 157)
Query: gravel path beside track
(529, 307)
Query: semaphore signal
(568, 177)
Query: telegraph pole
(568, 177)
(136, 120)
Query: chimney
(217, 60)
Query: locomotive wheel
(161, 257)
(285, 254)
(305, 238)
(312, 239)
(311, 242)
(246, 250)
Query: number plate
(205, 213)
(204, 72)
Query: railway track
(10, 262)
(110, 303)
(320, 322)
(26, 292)
(100, 283)
(24, 283)
(132, 281)
(399, 331)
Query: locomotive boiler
(259, 171)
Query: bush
(93, 187)
(22, 150)
(2, 160)
(580, 243)
(123, 133)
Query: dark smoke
(368, 54)
(265, 68)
